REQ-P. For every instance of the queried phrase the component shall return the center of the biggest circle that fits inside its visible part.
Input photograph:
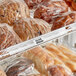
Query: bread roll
(58, 71)
(49, 10)
(11, 10)
(28, 28)
(66, 19)
(2, 73)
(7, 37)
(41, 59)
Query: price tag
(38, 41)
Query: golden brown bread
(2, 73)
(58, 71)
(8, 37)
(68, 52)
(11, 10)
(53, 48)
(49, 10)
(66, 19)
(28, 28)
(41, 59)
(71, 65)
(64, 54)
(56, 60)
(58, 57)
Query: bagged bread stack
(28, 28)
(11, 10)
(7, 37)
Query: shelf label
(39, 40)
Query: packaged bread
(63, 20)
(28, 28)
(11, 10)
(49, 10)
(2, 73)
(58, 70)
(21, 67)
(72, 55)
(52, 48)
(7, 37)
(63, 55)
(56, 60)
(40, 58)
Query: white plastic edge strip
(39, 40)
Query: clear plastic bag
(64, 54)
(21, 67)
(28, 28)
(51, 9)
(63, 20)
(11, 10)
(7, 37)
(45, 61)
(40, 58)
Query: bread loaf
(64, 20)
(49, 10)
(7, 37)
(28, 28)
(64, 54)
(11, 10)
(41, 59)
